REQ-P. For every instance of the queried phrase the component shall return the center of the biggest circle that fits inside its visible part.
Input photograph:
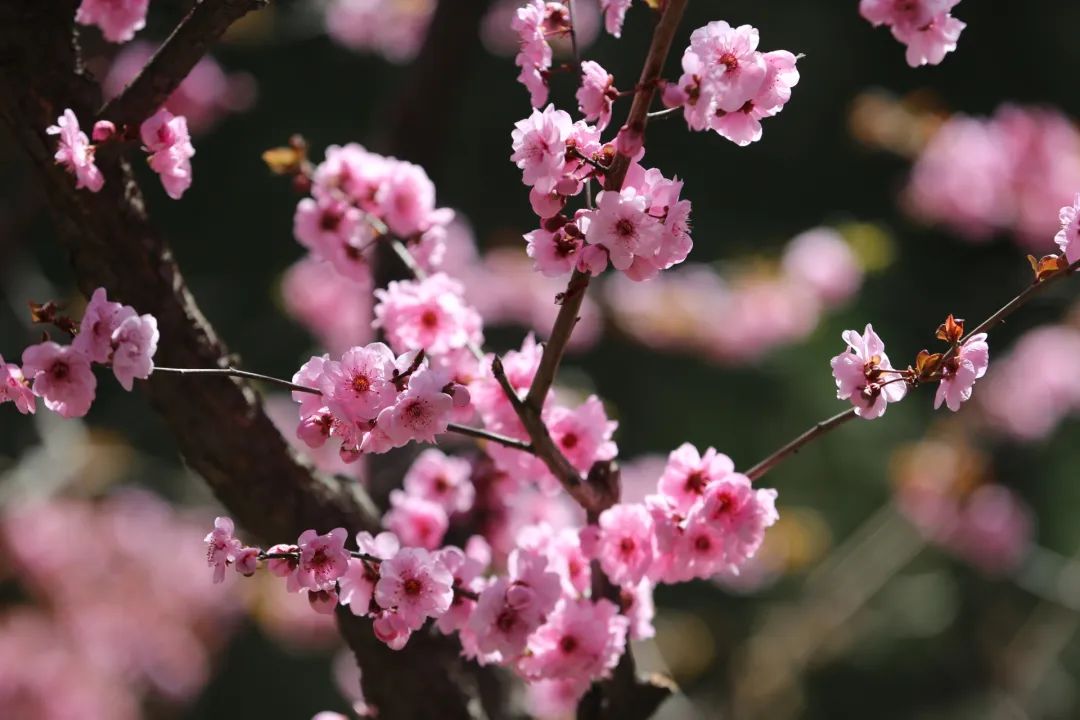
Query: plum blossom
(422, 411)
(416, 585)
(539, 143)
(323, 558)
(581, 638)
(75, 152)
(134, 343)
(961, 371)
(741, 514)
(100, 320)
(14, 388)
(511, 608)
(626, 547)
(743, 125)
(622, 226)
(118, 20)
(335, 231)
(583, 434)
(418, 522)
(442, 479)
(596, 94)
(356, 587)
(61, 375)
(165, 136)
(614, 15)
(430, 314)
(864, 375)
(688, 473)
(357, 387)
(1068, 238)
(222, 547)
(925, 26)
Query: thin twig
(176, 57)
(481, 434)
(826, 426)
(236, 372)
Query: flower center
(60, 370)
(695, 482)
(627, 545)
(568, 644)
(361, 384)
(413, 587)
(506, 621)
(330, 220)
(702, 543)
(570, 441)
(624, 227)
(429, 319)
(729, 61)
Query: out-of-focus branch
(189, 42)
(826, 426)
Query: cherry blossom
(418, 522)
(14, 388)
(75, 152)
(222, 547)
(323, 558)
(596, 94)
(166, 138)
(688, 473)
(614, 15)
(429, 314)
(1068, 238)
(416, 585)
(134, 343)
(626, 546)
(925, 26)
(960, 373)
(622, 226)
(61, 375)
(581, 638)
(118, 20)
(442, 479)
(864, 375)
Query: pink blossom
(75, 152)
(741, 513)
(14, 388)
(533, 23)
(626, 548)
(596, 94)
(580, 639)
(247, 560)
(863, 375)
(357, 387)
(442, 479)
(960, 373)
(337, 232)
(323, 601)
(539, 143)
(416, 521)
(416, 585)
(406, 199)
(166, 138)
(394, 30)
(336, 309)
(688, 473)
(134, 344)
(422, 411)
(637, 605)
(392, 629)
(466, 568)
(429, 314)
(100, 320)
(583, 434)
(512, 607)
(222, 547)
(614, 15)
(823, 261)
(623, 228)
(323, 558)
(1068, 238)
(287, 567)
(118, 20)
(554, 253)
(103, 130)
(743, 125)
(62, 376)
(356, 587)
(733, 69)
(925, 26)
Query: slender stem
(235, 372)
(836, 421)
(481, 434)
(663, 113)
(795, 445)
(186, 46)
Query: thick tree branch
(172, 62)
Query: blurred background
(926, 565)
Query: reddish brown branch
(172, 62)
(826, 426)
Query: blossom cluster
(535, 23)
(751, 312)
(728, 86)
(110, 334)
(538, 616)
(67, 648)
(356, 197)
(1006, 173)
(118, 20)
(640, 229)
(926, 27)
(165, 138)
(372, 401)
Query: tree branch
(172, 62)
(826, 426)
